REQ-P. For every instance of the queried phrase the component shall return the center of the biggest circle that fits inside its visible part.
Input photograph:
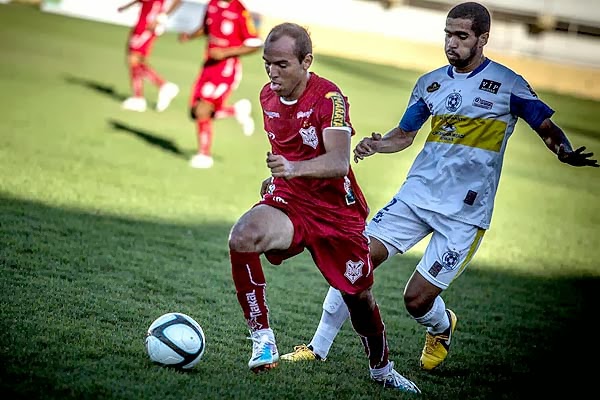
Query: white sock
(335, 313)
(436, 320)
(379, 373)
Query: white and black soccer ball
(175, 340)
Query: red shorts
(141, 42)
(341, 254)
(216, 82)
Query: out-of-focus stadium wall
(409, 36)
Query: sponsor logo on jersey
(338, 117)
(271, 135)
(453, 101)
(433, 87)
(272, 114)
(309, 136)
(490, 86)
(353, 270)
(304, 114)
(481, 103)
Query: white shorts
(399, 226)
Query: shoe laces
(431, 341)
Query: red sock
(225, 111)
(369, 326)
(204, 133)
(136, 74)
(250, 284)
(152, 75)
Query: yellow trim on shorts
(471, 253)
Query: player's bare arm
(335, 163)
(126, 6)
(185, 36)
(393, 141)
(223, 53)
(556, 140)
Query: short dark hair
(301, 36)
(477, 13)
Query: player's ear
(483, 39)
(307, 62)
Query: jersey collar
(485, 63)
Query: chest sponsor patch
(433, 87)
(490, 86)
(481, 103)
(338, 116)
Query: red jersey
(229, 24)
(295, 131)
(148, 12)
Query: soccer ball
(175, 340)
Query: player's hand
(121, 9)
(265, 186)
(576, 158)
(217, 54)
(280, 167)
(367, 146)
(184, 37)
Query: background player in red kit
(313, 202)
(151, 24)
(230, 34)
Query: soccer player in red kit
(312, 201)
(151, 24)
(230, 34)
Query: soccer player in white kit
(474, 104)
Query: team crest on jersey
(433, 87)
(453, 101)
(338, 117)
(309, 136)
(353, 270)
(450, 259)
(488, 85)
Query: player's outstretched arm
(126, 6)
(559, 144)
(396, 139)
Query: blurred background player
(230, 34)
(151, 24)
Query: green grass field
(104, 227)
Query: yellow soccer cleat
(436, 346)
(301, 353)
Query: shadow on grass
(79, 287)
(150, 138)
(96, 86)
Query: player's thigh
(343, 259)
(450, 250)
(397, 227)
(260, 229)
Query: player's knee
(245, 238)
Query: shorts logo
(481, 103)
(490, 86)
(353, 270)
(433, 87)
(450, 259)
(309, 136)
(453, 101)
(435, 269)
(338, 117)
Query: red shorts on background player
(151, 24)
(230, 34)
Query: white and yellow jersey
(472, 116)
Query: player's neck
(297, 91)
(477, 61)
